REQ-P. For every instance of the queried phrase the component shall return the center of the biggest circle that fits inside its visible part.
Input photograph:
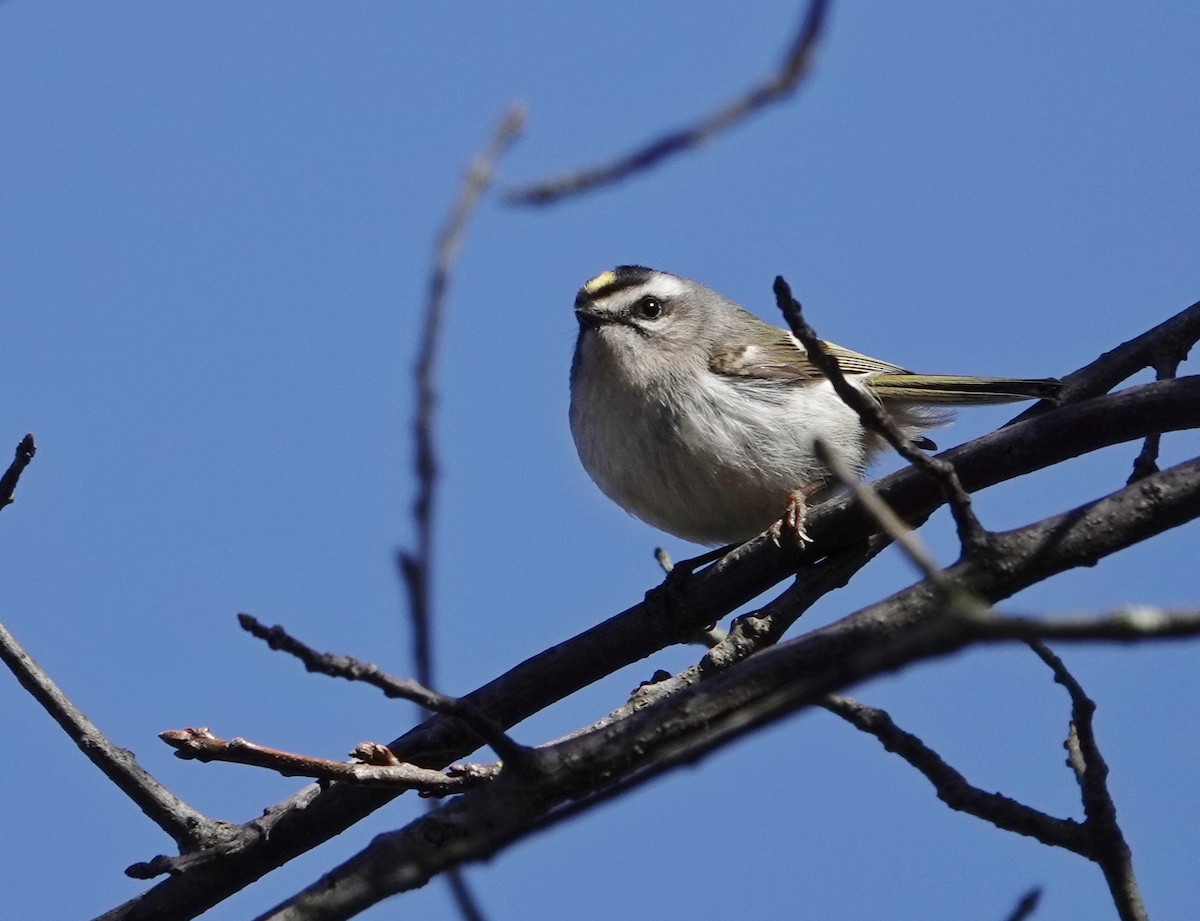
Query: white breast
(712, 462)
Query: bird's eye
(648, 308)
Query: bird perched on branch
(700, 419)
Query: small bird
(699, 418)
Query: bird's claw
(792, 522)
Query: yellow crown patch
(600, 282)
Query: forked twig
(1165, 368)
(335, 666)
(1108, 846)
(891, 523)
(952, 788)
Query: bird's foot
(791, 525)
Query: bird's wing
(784, 359)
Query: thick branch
(910, 626)
(312, 816)
(589, 769)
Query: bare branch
(778, 86)
(416, 566)
(1175, 336)
(765, 627)
(905, 628)
(8, 482)
(1108, 845)
(190, 829)
(952, 788)
(1077, 538)
(1165, 368)
(464, 898)
(326, 663)
(376, 766)
(590, 769)
(753, 631)
(892, 524)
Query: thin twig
(891, 523)
(1026, 906)
(778, 86)
(959, 601)
(762, 628)
(1176, 335)
(971, 533)
(374, 766)
(952, 788)
(464, 898)
(190, 829)
(326, 663)
(416, 567)
(1108, 845)
(1165, 368)
(753, 631)
(8, 482)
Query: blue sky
(215, 229)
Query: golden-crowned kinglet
(699, 418)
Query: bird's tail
(950, 389)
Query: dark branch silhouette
(1026, 905)
(8, 481)
(876, 418)
(952, 788)
(191, 830)
(1040, 440)
(749, 678)
(416, 566)
(590, 769)
(776, 87)
(1108, 847)
(352, 669)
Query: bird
(701, 419)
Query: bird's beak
(590, 316)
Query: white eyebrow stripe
(664, 286)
